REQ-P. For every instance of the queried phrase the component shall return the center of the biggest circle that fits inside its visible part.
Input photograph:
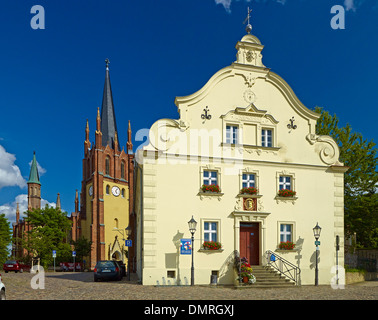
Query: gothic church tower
(106, 198)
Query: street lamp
(128, 234)
(192, 228)
(317, 231)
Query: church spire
(129, 143)
(108, 122)
(58, 205)
(34, 176)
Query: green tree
(82, 247)
(49, 227)
(360, 181)
(5, 238)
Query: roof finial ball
(107, 63)
(249, 26)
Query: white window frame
(218, 231)
(210, 232)
(285, 173)
(284, 234)
(249, 170)
(232, 133)
(248, 181)
(264, 137)
(210, 179)
(293, 230)
(210, 167)
(285, 184)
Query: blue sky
(52, 79)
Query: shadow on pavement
(82, 277)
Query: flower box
(288, 245)
(210, 188)
(212, 245)
(250, 190)
(286, 193)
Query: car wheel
(2, 294)
(95, 279)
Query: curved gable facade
(245, 128)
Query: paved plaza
(80, 286)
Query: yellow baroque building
(244, 129)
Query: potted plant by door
(246, 275)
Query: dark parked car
(123, 268)
(15, 265)
(107, 270)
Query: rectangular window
(210, 232)
(285, 232)
(248, 180)
(210, 177)
(266, 138)
(285, 182)
(232, 134)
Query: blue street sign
(54, 253)
(128, 243)
(74, 253)
(185, 246)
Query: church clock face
(90, 191)
(116, 192)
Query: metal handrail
(283, 266)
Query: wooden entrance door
(250, 242)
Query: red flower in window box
(288, 245)
(286, 193)
(210, 188)
(212, 245)
(249, 190)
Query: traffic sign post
(54, 256)
(74, 255)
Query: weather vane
(107, 63)
(249, 26)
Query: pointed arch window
(107, 165)
(123, 169)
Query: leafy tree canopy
(360, 181)
(5, 238)
(48, 233)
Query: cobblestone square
(80, 286)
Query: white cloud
(9, 209)
(349, 5)
(41, 171)
(226, 4)
(10, 174)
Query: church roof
(108, 121)
(34, 176)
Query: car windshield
(104, 264)
(10, 262)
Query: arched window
(107, 189)
(123, 169)
(123, 193)
(116, 223)
(107, 165)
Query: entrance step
(267, 277)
